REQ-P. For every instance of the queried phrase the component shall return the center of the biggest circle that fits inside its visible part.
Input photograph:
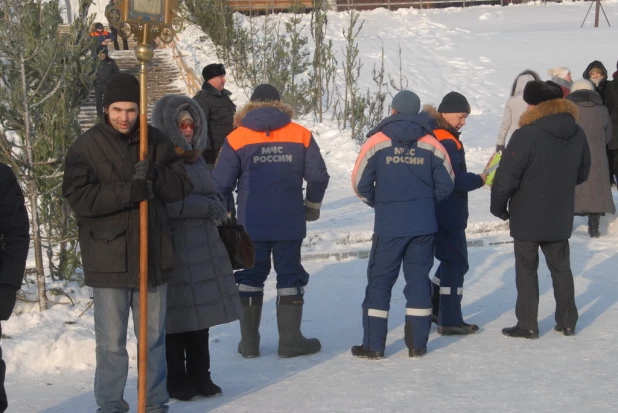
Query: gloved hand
(499, 148)
(505, 216)
(144, 171)
(215, 209)
(311, 214)
(8, 297)
(141, 191)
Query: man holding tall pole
(113, 184)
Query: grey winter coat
(515, 107)
(594, 195)
(202, 291)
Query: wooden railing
(419, 4)
(192, 81)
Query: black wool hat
(454, 102)
(265, 93)
(98, 26)
(122, 87)
(212, 70)
(538, 91)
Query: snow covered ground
(476, 51)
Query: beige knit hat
(560, 72)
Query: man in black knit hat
(104, 183)
(534, 187)
(219, 109)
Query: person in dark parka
(402, 171)
(452, 214)
(611, 101)
(219, 109)
(270, 157)
(104, 183)
(14, 244)
(202, 292)
(593, 198)
(534, 187)
(105, 71)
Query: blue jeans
(111, 319)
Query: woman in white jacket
(514, 108)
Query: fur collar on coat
(548, 108)
(164, 115)
(442, 123)
(251, 106)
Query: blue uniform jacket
(268, 156)
(402, 171)
(453, 211)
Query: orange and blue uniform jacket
(402, 171)
(268, 156)
(453, 211)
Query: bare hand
(483, 177)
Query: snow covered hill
(476, 51)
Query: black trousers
(612, 157)
(125, 42)
(188, 356)
(557, 255)
(3, 400)
(98, 98)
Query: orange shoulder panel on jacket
(291, 133)
(443, 134)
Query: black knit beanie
(212, 70)
(537, 92)
(122, 87)
(454, 102)
(265, 93)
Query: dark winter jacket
(219, 110)
(611, 101)
(98, 184)
(269, 156)
(202, 291)
(99, 38)
(540, 167)
(602, 86)
(14, 232)
(402, 171)
(594, 195)
(107, 68)
(452, 212)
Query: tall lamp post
(145, 20)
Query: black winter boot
(593, 225)
(519, 332)
(249, 346)
(460, 330)
(564, 330)
(292, 343)
(198, 364)
(178, 384)
(408, 338)
(359, 351)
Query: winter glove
(7, 302)
(499, 148)
(141, 191)
(215, 208)
(144, 171)
(311, 214)
(505, 216)
(210, 156)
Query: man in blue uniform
(269, 156)
(401, 172)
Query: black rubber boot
(408, 338)
(292, 343)
(198, 363)
(249, 346)
(178, 383)
(593, 225)
(435, 302)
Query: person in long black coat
(534, 187)
(14, 244)
(611, 101)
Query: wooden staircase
(163, 79)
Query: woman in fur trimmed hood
(202, 292)
(514, 108)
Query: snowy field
(476, 51)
